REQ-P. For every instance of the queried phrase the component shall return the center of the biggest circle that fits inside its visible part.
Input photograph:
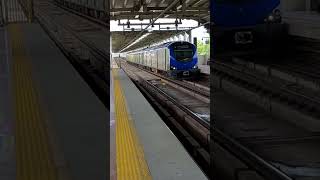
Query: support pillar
(1, 13)
(190, 37)
(195, 42)
(308, 5)
(30, 11)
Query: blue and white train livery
(176, 59)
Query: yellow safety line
(33, 153)
(131, 164)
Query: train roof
(163, 45)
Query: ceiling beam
(150, 15)
(154, 20)
(158, 9)
(113, 4)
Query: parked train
(241, 23)
(175, 59)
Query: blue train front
(176, 59)
(243, 24)
(183, 59)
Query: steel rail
(251, 159)
(284, 90)
(245, 155)
(86, 43)
(203, 122)
(232, 146)
(186, 86)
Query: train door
(160, 60)
(140, 58)
(167, 59)
(145, 59)
(164, 59)
(151, 59)
(157, 54)
(154, 60)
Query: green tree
(203, 48)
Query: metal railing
(15, 11)
(85, 9)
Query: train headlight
(271, 18)
(174, 68)
(274, 17)
(195, 67)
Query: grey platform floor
(7, 156)
(166, 157)
(77, 116)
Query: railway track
(203, 80)
(277, 149)
(185, 112)
(201, 88)
(275, 96)
(263, 109)
(83, 41)
(224, 144)
(298, 73)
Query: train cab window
(183, 52)
(183, 55)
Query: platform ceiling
(120, 38)
(149, 9)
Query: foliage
(203, 48)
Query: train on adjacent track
(245, 23)
(176, 59)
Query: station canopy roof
(147, 9)
(128, 12)
(120, 38)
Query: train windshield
(183, 51)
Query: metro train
(175, 59)
(245, 23)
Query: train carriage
(176, 59)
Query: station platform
(205, 69)
(50, 120)
(144, 146)
(304, 24)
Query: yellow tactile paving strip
(131, 164)
(33, 155)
